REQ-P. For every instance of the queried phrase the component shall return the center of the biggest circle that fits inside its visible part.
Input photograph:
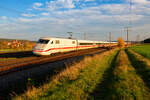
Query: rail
(30, 63)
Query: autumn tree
(28, 45)
(121, 42)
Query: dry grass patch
(75, 82)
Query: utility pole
(70, 33)
(127, 29)
(110, 37)
(138, 39)
(84, 35)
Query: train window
(86, 43)
(57, 42)
(98, 43)
(43, 41)
(73, 42)
(52, 42)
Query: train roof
(49, 38)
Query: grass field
(142, 49)
(125, 84)
(4, 59)
(114, 75)
(3, 51)
(13, 50)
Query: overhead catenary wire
(116, 18)
(129, 26)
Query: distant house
(9, 43)
(147, 40)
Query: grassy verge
(142, 49)
(123, 83)
(13, 50)
(141, 65)
(4, 59)
(75, 82)
(127, 84)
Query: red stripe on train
(64, 48)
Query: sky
(32, 19)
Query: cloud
(58, 4)
(45, 14)
(140, 1)
(28, 15)
(89, 0)
(4, 18)
(115, 8)
(37, 5)
(24, 20)
(67, 16)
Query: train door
(56, 46)
(76, 45)
(73, 45)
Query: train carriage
(85, 44)
(47, 46)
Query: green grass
(75, 83)
(12, 50)
(126, 84)
(144, 50)
(4, 59)
(122, 83)
(141, 67)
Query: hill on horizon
(147, 40)
(6, 39)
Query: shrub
(121, 42)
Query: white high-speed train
(47, 46)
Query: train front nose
(37, 52)
(39, 49)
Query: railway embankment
(75, 82)
(29, 62)
(17, 82)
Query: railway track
(14, 80)
(32, 61)
(16, 54)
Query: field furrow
(122, 82)
(143, 50)
(142, 66)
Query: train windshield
(43, 41)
